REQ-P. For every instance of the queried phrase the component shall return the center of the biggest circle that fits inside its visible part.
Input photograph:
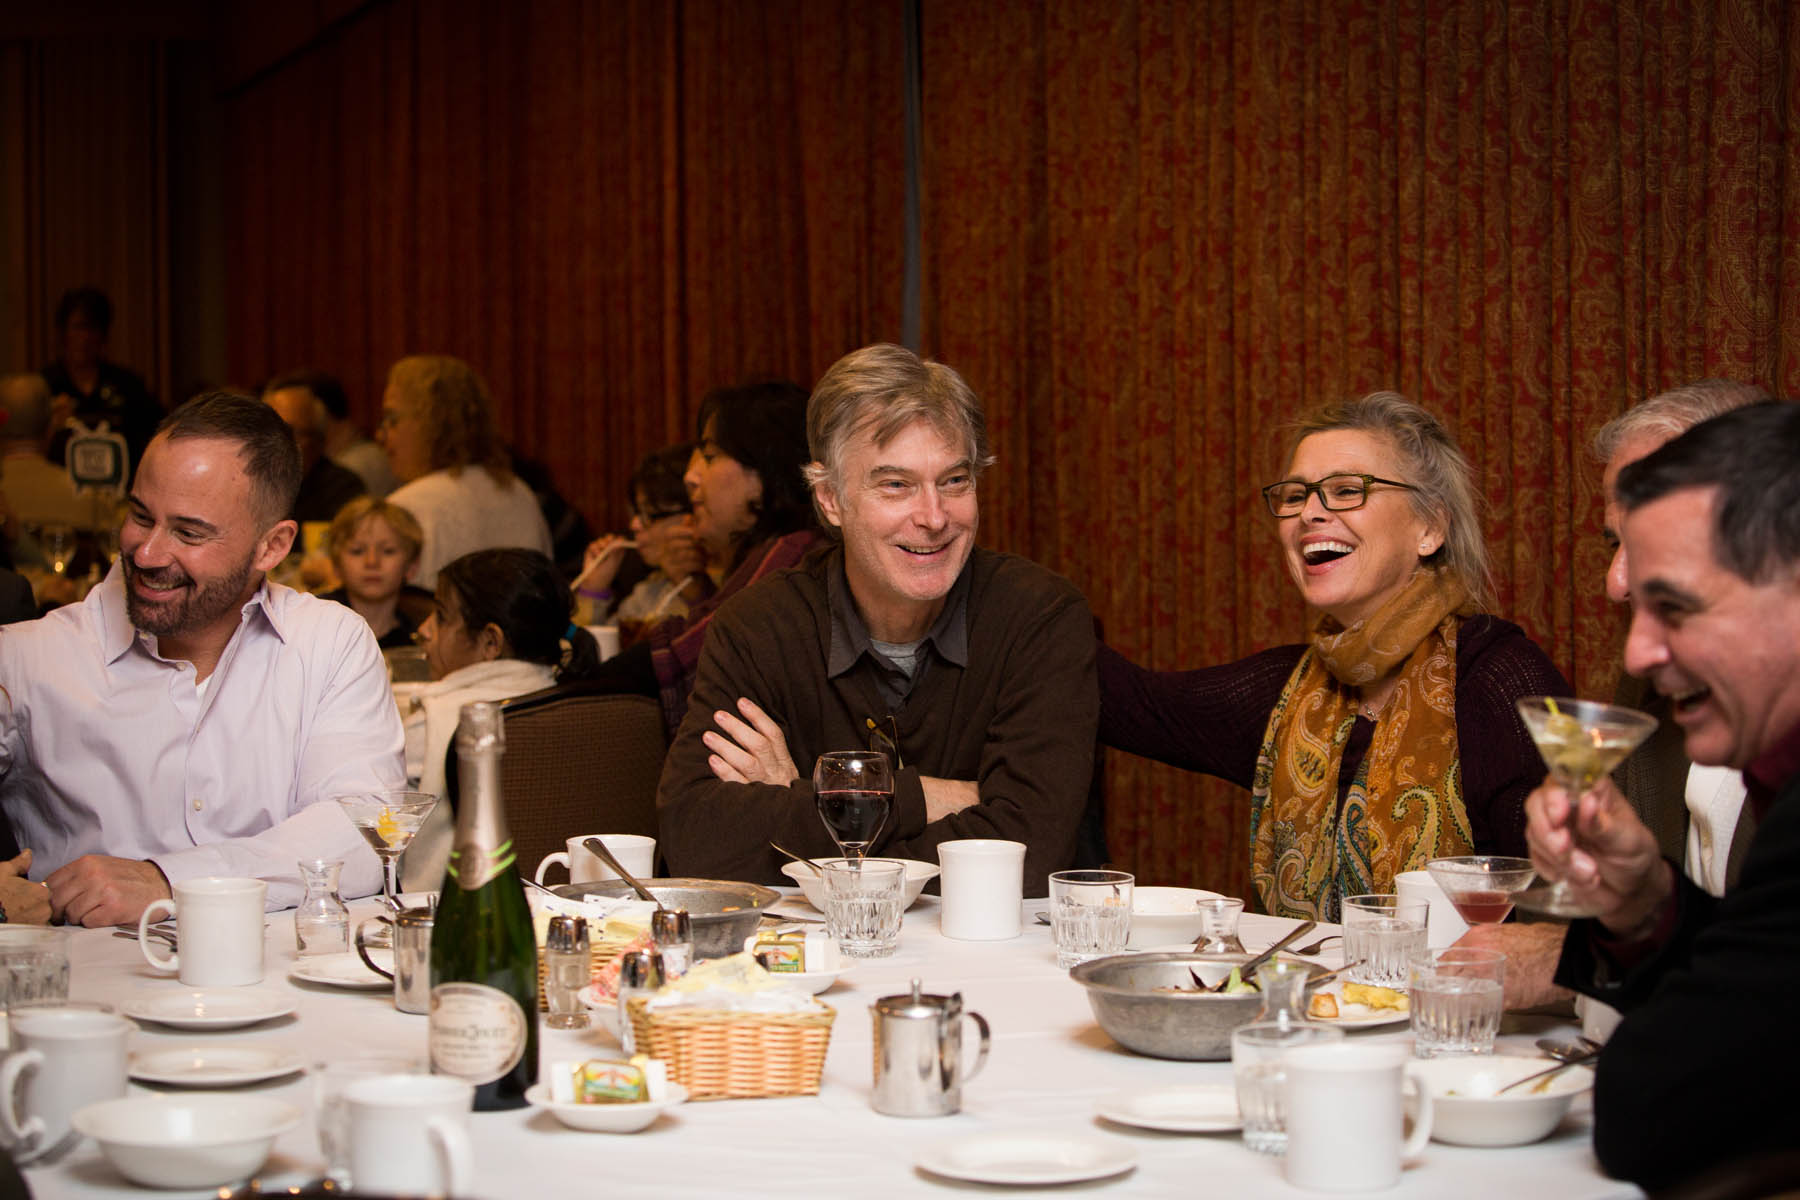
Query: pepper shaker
(640, 973)
(566, 972)
(673, 931)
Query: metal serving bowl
(1187, 1024)
(723, 913)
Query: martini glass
(854, 790)
(388, 820)
(1581, 741)
(1482, 886)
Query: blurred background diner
(1146, 254)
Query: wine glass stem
(390, 869)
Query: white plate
(346, 970)
(1357, 1016)
(210, 1008)
(1027, 1158)
(213, 1066)
(1176, 1110)
(605, 1118)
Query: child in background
(374, 547)
(659, 508)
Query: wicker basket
(599, 954)
(736, 1055)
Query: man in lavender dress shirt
(190, 718)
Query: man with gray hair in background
(973, 670)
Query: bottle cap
(641, 969)
(567, 933)
(671, 926)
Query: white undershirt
(1715, 796)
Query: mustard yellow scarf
(1405, 805)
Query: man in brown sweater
(973, 670)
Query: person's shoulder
(1018, 581)
(1494, 649)
(303, 617)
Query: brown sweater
(1019, 720)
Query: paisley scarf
(1404, 806)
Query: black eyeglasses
(1339, 493)
(658, 514)
(885, 739)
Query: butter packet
(609, 1081)
(792, 951)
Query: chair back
(577, 761)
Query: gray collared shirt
(948, 637)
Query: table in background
(1050, 1064)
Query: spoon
(799, 858)
(1249, 968)
(1567, 1054)
(598, 849)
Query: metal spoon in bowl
(1567, 1054)
(598, 849)
(1249, 968)
(799, 858)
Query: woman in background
(439, 431)
(1390, 738)
(499, 628)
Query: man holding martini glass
(972, 670)
(1712, 533)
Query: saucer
(1177, 1109)
(213, 1066)
(1027, 1158)
(207, 1008)
(345, 970)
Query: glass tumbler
(1257, 1051)
(1456, 996)
(1090, 914)
(863, 904)
(1381, 933)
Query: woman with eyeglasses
(664, 540)
(1389, 738)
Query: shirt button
(196, 804)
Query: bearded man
(190, 718)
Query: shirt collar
(1773, 769)
(118, 634)
(948, 635)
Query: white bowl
(1466, 1112)
(818, 978)
(1165, 914)
(918, 874)
(605, 1118)
(199, 1141)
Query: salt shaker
(566, 972)
(673, 931)
(640, 973)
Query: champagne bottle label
(473, 865)
(477, 1032)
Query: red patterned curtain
(607, 207)
(1155, 230)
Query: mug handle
(454, 1152)
(157, 911)
(1421, 1130)
(562, 857)
(18, 1135)
(363, 950)
(981, 1054)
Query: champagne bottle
(484, 1025)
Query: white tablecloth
(1050, 1064)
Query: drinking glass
(1090, 914)
(1481, 887)
(330, 1078)
(322, 920)
(1581, 741)
(1257, 1051)
(1219, 925)
(34, 966)
(1381, 933)
(863, 903)
(854, 790)
(388, 820)
(1456, 998)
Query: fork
(1312, 948)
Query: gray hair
(883, 389)
(1672, 413)
(25, 399)
(1443, 484)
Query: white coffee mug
(635, 852)
(1443, 924)
(1345, 1115)
(983, 886)
(218, 929)
(68, 1058)
(409, 1135)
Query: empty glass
(1219, 925)
(863, 903)
(322, 921)
(1257, 1069)
(330, 1078)
(1090, 914)
(34, 966)
(1381, 933)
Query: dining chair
(577, 761)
